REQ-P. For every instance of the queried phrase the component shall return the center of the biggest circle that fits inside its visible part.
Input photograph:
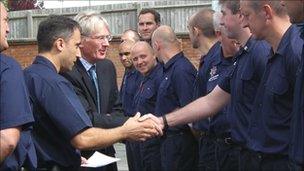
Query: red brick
(25, 53)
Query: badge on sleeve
(213, 74)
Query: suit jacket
(111, 113)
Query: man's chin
(4, 47)
(101, 57)
(127, 66)
(147, 37)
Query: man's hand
(83, 160)
(155, 121)
(8, 141)
(159, 121)
(136, 130)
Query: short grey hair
(217, 21)
(90, 21)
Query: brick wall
(26, 51)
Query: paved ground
(121, 153)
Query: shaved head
(165, 34)
(125, 53)
(165, 43)
(203, 20)
(130, 35)
(142, 45)
(143, 57)
(127, 44)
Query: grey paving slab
(121, 153)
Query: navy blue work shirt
(176, 88)
(219, 124)
(145, 98)
(241, 81)
(270, 124)
(15, 111)
(296, 152)
(59, 115)
(201, 79)
(130, 83)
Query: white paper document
(98, 159)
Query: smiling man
(125, 54)
(148, 21)
(145, 62)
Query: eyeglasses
(102, 38)
(124, 53)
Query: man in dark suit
(111, 113)
(94, 78)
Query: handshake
(142, 128)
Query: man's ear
(59, 44)
(196, 31)
(156, 45)
(78, 54)
(218, 34)
(268, 12)
(154, 57)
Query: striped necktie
(93, 75)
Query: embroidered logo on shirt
(246, 48)
(213, 75)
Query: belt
(170, 133)
(49, 168)
(226, 140)
(223, 139)
(295, 166)
(262, 155)
(55, 167)
(202, 134)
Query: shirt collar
(225, 60)
(153, 71)
(220, 59)
(216, 51)
(44, 61)
(87, 65)
(249, 44)
(173, 59)
(301, 27)
(130, 71)
(245, 49)
(213, 51)
(291, 32)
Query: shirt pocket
(147, 100)
(277, 85)
(248, 85)
(149, 92)
(165, 84)
(278, 96)
(131, 90)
